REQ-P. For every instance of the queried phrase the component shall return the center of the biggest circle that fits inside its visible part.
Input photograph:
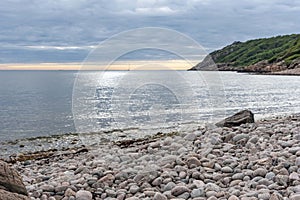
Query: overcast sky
(66, 30)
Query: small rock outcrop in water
(242, 117)
(11, 184)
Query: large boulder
(242, 117)
(11, 184)
(5, 195)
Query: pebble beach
(258, 160)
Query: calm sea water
(39, 103)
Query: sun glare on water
(118, 65)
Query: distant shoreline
(280, 73)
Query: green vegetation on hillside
(281, 48)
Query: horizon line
(136, 65)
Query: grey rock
(110, 193)
(297, 162)
(178, 190)
(6, 195)
(295, 197)
(196, 175)
(167, 159)
(107, 180)
(48, 188)
(260, 172)
(169, 186)
(293, 150)
(134, 189)
(10, 180)
(282, 179)
(185, 195)
(61, 188)
(242, 117)
(283, 171)
(121, 196)
(217, 166)
(125, 158)
(157, 181)
(168, 194)
(212, 187)
(227, 169)
(159, 196)
(181, 151)
(80, 169)
(211, 194)
(285, 144)
(264, 181)
(121, 176)
(182, 174)
(296, 189)
(167, 141)
(199, 183)
(133, 198)
(274, 197)
(84, 195)
(270, 175)
(36, 194)
(69, 192)
(264, 196)
(199, 192)
(44, 197)
(149, 193)
(254, 139)
(193, 161)
(238, 176)
(72, 167)
(190, 137)
(235, 192)
(155, 144)
(233, 197)
(235, 183)
(294, 176)
(239, 137)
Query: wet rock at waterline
(242, 117)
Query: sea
(45, 103)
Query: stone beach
(258, 160)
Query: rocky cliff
(279, 54)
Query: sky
(66, 31)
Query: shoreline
(40, 146)
(280, 73)
(252, 161)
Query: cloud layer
(66, 30)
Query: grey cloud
(82, 23)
